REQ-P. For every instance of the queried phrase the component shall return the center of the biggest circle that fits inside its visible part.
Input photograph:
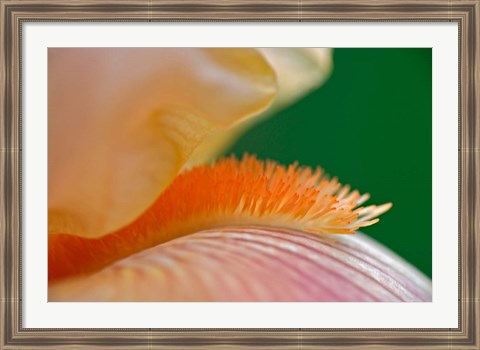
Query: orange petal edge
(228, 192)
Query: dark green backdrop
(370, 125)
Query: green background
(370, 125)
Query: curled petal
(254, 264)
(298, 71)
(123, 122)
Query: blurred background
(369, 124)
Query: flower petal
(254, 264)
(123, 122)
(298, 71)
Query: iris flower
(142, 209)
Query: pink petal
(254, 264)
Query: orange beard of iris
(229, 192)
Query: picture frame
(15, 13)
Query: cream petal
(298, 70)
(123, 122)
(254, 264)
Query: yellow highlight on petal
(298, 71)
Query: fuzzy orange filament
(229, 192)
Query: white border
(442, 312)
